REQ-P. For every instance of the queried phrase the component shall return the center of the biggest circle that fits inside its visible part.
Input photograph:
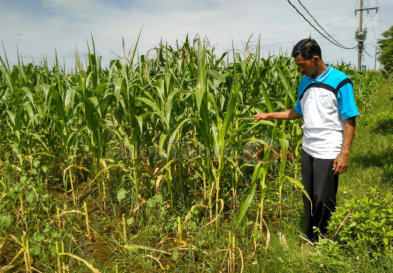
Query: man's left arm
(340, 164)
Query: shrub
(369, 227)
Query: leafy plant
(369, 227)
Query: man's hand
(340, 164)
(260, 116)
(288, 115)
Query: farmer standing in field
(326, 104)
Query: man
(326, 104)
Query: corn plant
(163, 101)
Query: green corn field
(151, 163)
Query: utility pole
(361, 33)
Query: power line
(368, 54)
(379, 19)
(361, 33)
(369, 19)
(375, 35)
(336, 44)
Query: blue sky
(38, 27)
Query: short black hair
(307, 48)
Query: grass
(115, 214)
(371, 159)
(371, 165)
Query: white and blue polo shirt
(325, 102)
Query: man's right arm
(288, 115)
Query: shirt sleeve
(346, 102)
(298, 107)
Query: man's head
(308, 57)
(307, 48)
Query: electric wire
(369, 19)
(375, 35)
(368, 54)
(320, 25)
(334, 43)
(379, 19)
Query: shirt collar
(323, 76)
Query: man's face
(307, 67)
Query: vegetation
(386, 46)
(156, 164)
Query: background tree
(386, 45)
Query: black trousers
(321, 184)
